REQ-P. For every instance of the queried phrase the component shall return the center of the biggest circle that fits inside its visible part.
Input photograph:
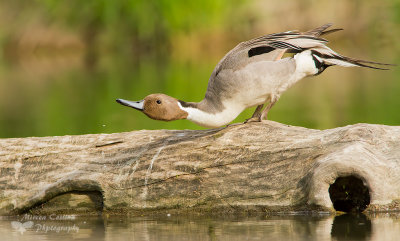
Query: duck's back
(228, 76)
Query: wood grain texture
(264, 166)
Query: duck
(253, 74)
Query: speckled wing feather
(271, 47)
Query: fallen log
(268, 166)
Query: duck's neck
(305, 64)
(205, 114)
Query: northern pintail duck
(252, 74)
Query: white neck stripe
(210, 120)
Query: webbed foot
(253, 119)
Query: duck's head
(158, 107)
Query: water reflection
(115, 228)
(52, 227)
(351, 226)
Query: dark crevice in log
(81, 202)
(108, 144)
(68, 185)
(349, 194)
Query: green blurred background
(63, 63)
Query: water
(171, 227)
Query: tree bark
(264, 166)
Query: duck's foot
(253, 119)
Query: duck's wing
(284, 40)
(271, 47)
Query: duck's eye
(158, 101)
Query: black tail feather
(366, 63)
(331, 31)
(318, 31)
(369, 62)
(337, 59)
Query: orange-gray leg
(256, 117)
(272, 102)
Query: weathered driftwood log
(257, 166)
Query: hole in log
(75, 202)
(349, 194)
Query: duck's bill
(138, 105)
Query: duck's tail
(320, 31)
(324, 56)
(298, 42)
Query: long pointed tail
(327, 57)
(333, 58)
(298, 42)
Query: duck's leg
(256, 117)
(264, 114)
